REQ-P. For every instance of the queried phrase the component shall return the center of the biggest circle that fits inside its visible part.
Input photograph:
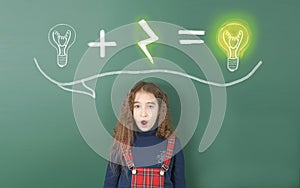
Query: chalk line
(92, 92)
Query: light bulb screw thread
(62, 60)
(232, 64)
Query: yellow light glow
(233, 38)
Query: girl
(145, 152)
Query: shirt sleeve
(112, 175)
(178, 175)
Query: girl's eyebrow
(151, 103)
(147, 102)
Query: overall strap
(127, 154)
(169, 153)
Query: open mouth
(144, 122)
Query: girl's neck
(147, 133)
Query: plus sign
(102, 44)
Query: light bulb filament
(233, 42)
(61, 41)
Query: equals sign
(191, 32)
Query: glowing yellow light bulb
(233, 37)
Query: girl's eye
(136, 106)
(151, 106)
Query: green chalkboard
(54, 129)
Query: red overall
(148, 177)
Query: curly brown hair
(124, 130)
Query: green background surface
(257, 147)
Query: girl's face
(145, 110)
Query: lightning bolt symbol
(150, 40)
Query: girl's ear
(125, 117)
(163, 108)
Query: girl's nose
(144, 112)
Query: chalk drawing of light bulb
(62, 37)
(233, 38)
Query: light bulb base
(232, 64)
(62, 60)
